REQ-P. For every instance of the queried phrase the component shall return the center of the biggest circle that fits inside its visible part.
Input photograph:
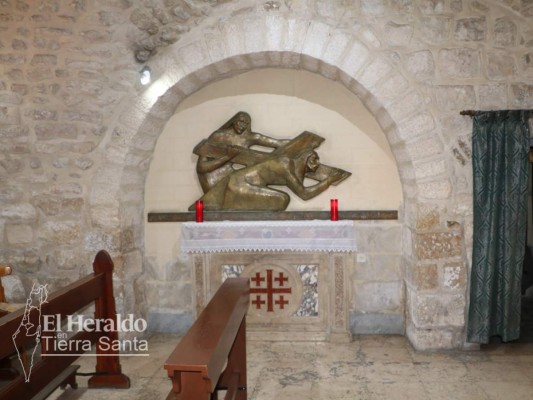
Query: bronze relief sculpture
(235, 176)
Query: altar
(297, 273)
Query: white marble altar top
(234, 236)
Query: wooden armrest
(10, 307)
(5, 270)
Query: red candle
(334, 210)
(199, 211)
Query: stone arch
(211, 52)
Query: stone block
(500, 65)
(376, 324)
(232, 33)
(133, 263)
(51, 131)
(378, 267)
(420, 64)
(407, 104)
(44, 59)
(19, 234)
(505, 32)
(391, 89)
(522, 96)
(470, 29)
(398, 34)
(174, 295)
(493, 96)
(168, 321)
(374, 72)
(434, 246)
(432, 339)
(215, 47)
(427, 216)
(104, 217)
(459, 63)
(451, 98)
(296, 33)
(416, 125)
(12, 59)
(275, 27)
(316, 38)
(378, 238)
(454, 276)
(437, 311)
(377, 296)
(373, 7)
(193, 56)
(19, 212)
(335, 47)
(9, 131)
(424, 277)
(253, 34)
(10, 98)
(53, 205)
(428, 169)
(102, 195)
(437, 190)
(432, 6)
(327, 9)
(9, 115)
(95, 241)
(355, 58)
(435, 28)
(60, 232)
(424, 147)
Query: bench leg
(70, 380)
(189, 386)
(236, 365)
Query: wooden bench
(48, 366)
(5, 307)
(216, 339)
(7, 371)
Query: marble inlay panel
(309, 304)
(232, 271)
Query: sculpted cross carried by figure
(235, 176)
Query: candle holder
(199, 211)
(334, 215)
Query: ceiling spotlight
(146, 75)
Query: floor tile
(369, 368)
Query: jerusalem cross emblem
(269, 290)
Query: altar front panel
(293, 296)
(296, 269)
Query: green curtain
(500, 147)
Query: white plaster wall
(282, 103)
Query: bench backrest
(206, 347)
(4, 271)
(97, 288)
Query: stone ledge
(271, 216)
(376, 324)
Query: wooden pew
(51, 368)
(5, 307)
(196, 366)
(7, 371)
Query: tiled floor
(371, 367)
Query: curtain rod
(473, 113)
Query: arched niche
(282, 103)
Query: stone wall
(77, 129)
